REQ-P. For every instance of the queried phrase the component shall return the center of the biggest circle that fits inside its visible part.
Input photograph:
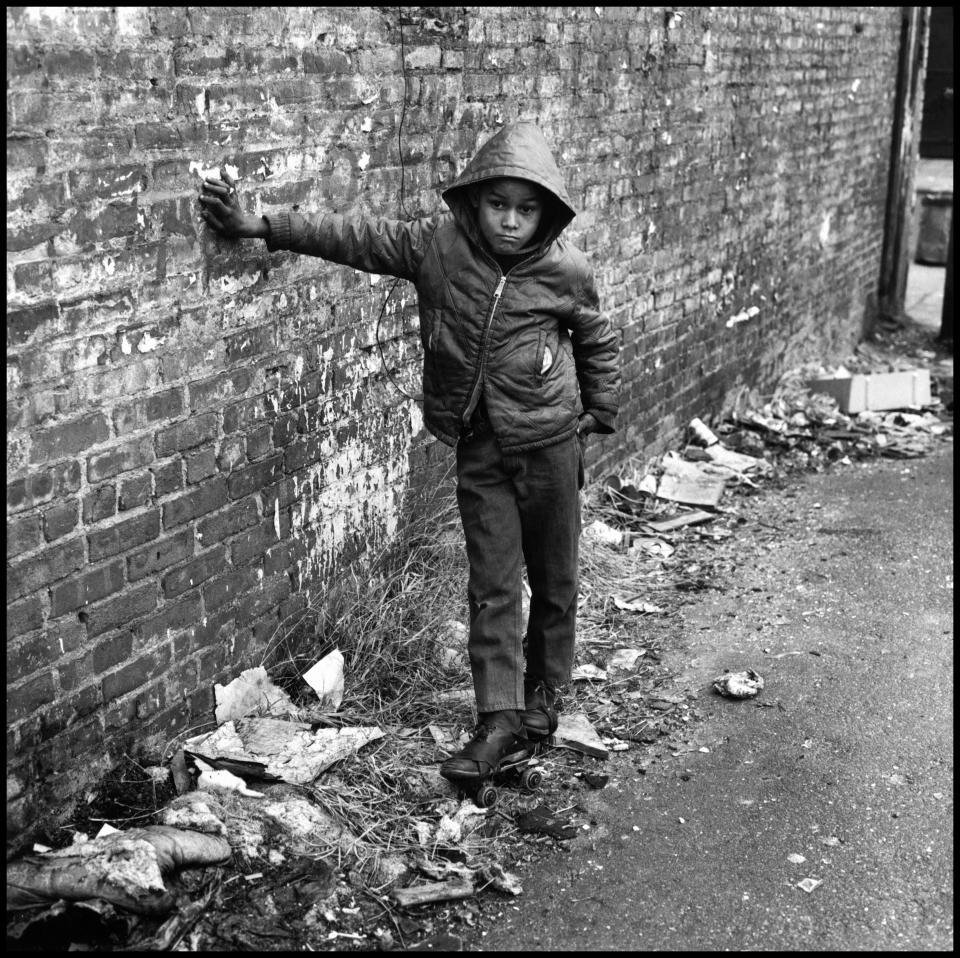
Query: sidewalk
(925, 284)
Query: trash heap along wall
(199, 434)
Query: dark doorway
(936, 132)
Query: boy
(519, 367)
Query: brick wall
(199, 434)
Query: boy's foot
(539, 718)
(498, 735)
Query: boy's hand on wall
(220, 208)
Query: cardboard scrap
(251, 693)
(276, 749)
(575, 731)
(689, 483)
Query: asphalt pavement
(820, 814)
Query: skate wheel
(486, 796)
(531, 778)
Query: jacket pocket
(434, 324)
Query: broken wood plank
(433, 891)
(686, 519)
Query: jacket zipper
(478, 378)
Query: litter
(250, 693)
(433, 891)
(738, 685)
(588, 672)
(600, 531)
(702, 433)
(575, 731)
(543, 820)
(808, 884)
(686, 482)
(634, 605)
(452, 829)
(795, 858)
(275, 749)
(684, 519)
(625, 660)
(221, 780)
(855, 392)
(123, 868)
(326, 679)
(500, 878)
(652, 546)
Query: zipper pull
(500, 285)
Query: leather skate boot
(539, 718)
(498, 736)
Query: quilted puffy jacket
(532, 341)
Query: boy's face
(508, 213)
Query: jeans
(519, 508)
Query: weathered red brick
(23, 534)
(24, 699)
(135, 491)
(122, 610)
(44, 568)
(123, 535)
(201, 464)
(86, 587)
(227, 522)
(60, 519)
(137, 673)
(143, 412)
(43, 484)
(100, 504)
(187, 434)
(173, 617)
(160, 554)
(194, 572)
(23, 617)
(69, 438)
(121, 458)
(243, 482)
(198, 502)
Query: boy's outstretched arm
(220, 208)
(373, 244)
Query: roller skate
(499, 751)
(539, 718)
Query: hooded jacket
(532, 341)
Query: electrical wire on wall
(403, 207)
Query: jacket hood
(518, 150)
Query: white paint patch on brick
(825, 230)
(367, 124)
(148, 343)
(364, 161)
(201, 102)
(298, 368)
(204, 172)
(125, 346)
